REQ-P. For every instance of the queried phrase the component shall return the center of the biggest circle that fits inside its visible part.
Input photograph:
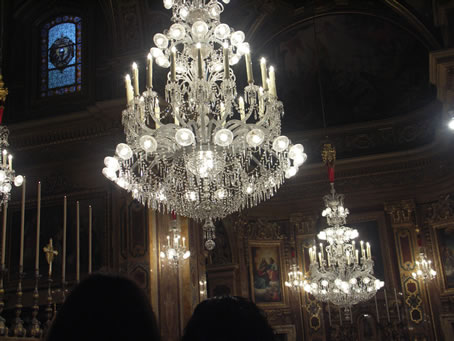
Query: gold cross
(50, 255)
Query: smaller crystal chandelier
(296, 279)
(340, 273)
(424, 270)
(174, 252)
(7, 173)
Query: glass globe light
(223, 138)
(243, 48)
(109, 173)
(234, 59)
(123, 183)
(7, 187)
(177, 31)
(237, 38)
(191, 196)
(222, 31)
(161, 40)
(148, 143)
(156, 53)
(2, 176)
(220, 193)
(184, 12)
(184, 137)
(296, 151)
(291, 172)
(226, 1)
(298, 161)
(199, 29)
(18, 180)
(215, 10)
(112, 163)
(210, 244)
(451, 124)
(255, 137)
(168, 4)
(124, 151)
(162, 61)
(322, 235)
(280, 144)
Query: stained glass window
(61, 56)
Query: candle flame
(134, 65)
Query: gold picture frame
(444, 254)
(267, 273)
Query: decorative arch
(61, 56)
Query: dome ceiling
(370, 69)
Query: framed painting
(266, 272)
(444, 236)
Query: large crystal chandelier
(8, 176)
(202, 150)
(341, 272)
(174, 252)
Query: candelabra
(424, 270)
(296, 280)
(174, 252)
(36, 330)
(206, 151)
(19, 329)
(209, 234)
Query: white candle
(38, 227)
(63, 264)
(5, 208)
(376, 309)
(397, 304)
(77, 242)
(368, 251)
(150, 71)
(22, 225)
(168, 240)
(157, 113)
(328, 257)
(5, 156)
(173, 62)
(177, 112)
(272, 83)
(184, 239)
(250, 75)
(10, 162)
(263, 71)
(321, 250)
(386, 303)
(320, 258)
(357, 256)
(129, 94)
(135, 72)
(226, 61)
(90, 227)
(242, 110)
(199, 61)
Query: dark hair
(105, 307)
(228, 318)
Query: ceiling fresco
(370, 69)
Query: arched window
(61, 56)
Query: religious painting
(266, 272)
(445, 243)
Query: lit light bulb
(161, 40)
(255, 137)
(291, 172)
(124, 151)
(184, 137)
(112, 163)
(18, 180)
(223, 138)
(280, 143)
(451, 124)
(177, 31)
(148, 143)
(222, 31)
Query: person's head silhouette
(104, 307)
(228, 318)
